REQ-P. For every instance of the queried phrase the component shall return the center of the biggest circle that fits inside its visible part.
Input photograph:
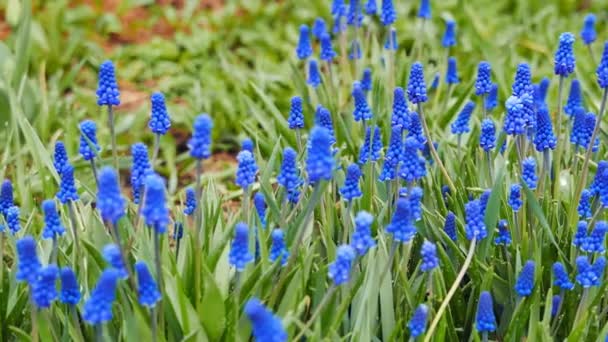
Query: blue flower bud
(340, 269)
(485, 320)
(564, 56)
(525, 282)
(417, 323)
(159, 117)
(239, 255)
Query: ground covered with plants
(369, 170)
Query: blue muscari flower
(67, 188)
(113, 256)
(147, 289)
(88, 140)
(428, 253)
(416, 88)
(289, 175)
(483, 84)
(327, 50)
(412, 164)
(395, 146)
(555, 303)
(587, 275)
(581, 234)
(523, 80)
(425, 9)
(260, 206)
(362, 111)
(107, 88)
(70, 291)
(155, 210)
(323, 119)
(52, 223)
(504, 235)
(296, 114)
(445, 192)
(370, 7)
(575, 99)
(491, 101)
(318, 28)
(239, 255)
(362, 239)
(266, 326)
(475, 226)
(354, 17)
(190, 204)
(483, 200)
(451, 76)
(400, 110)
(588, 34)
(602, 69)
(159, 117)
(247, 145)
(487, 138)
(200, 143)
(426, 152)
(450, 226)
(12, 219)
(98, 308)
(389, 172)
(561, 278)
(599, 186)
(401, 227)
(27, 260)
(449, 37)
(564, 56)
(391, 40)
(178, 231)
(598, 267)
(514, 123)
(278, 250)
(525, 281)
(461, 125)
(336, 6)
(435, 82)
(388, 15)
(6, 196)
(415, 197)
(139, 169)
(415, 129)
(246, 170)
(594, 243)
(60, 157)
(351, 189)
(485, 320)
(314, 76)
(320, 161)
(110, 203)
(417, 323)
(590, 119)
(44, 292)
(544, 139)
(543, 88)
(366, 80)
(529, 172)
(578, 135)
(304, 48)
(370, 150)
(340, 19)
(339, 270)
(584, 205)
(515, 201)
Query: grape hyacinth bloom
(304, 48)
(155, 210)
(579, 135)
(584, 205)
(485, 321)
(139, 169)
(190, 204)
(449, 37)
(200, 143)
(544, 139)
(266, 326)
(504, 235)
(587, 276)
(388, 14)
(416, 88)
(88, 140)
(247, 145)
(581, 234)
(600, 183)
(147, 289)
(435, 82)
(67, 188)
(602, 69)
(483, 84)
(60, 157)
(475, 227)
(515, 201)
(393, 152)
(362, 239)
(461, 125)
(278, 249)
(594, 243)
(70, 291)
(246, 170)
(588, 34)
(107, 88)
(412, 164)
(239, 255)
(159, 117)
(564, 56)
(487, 138)
(424, 11)
(361, 112)
(314, 76)
(289, 175)
(366, 80)
(351, 189)
(6, 196)
(259, 202)
(340, 18)
(523, 80)
(327, 51)
(451, 76)
(449, 226)
(12, 219)
(318, 28)
(370, 7)
(52, 223)
(514, 123)
(354, 17)
(296, 114)
(336, 6)
(110, 203)
(44, 292)
(320, 161)
(391, 41)
(417, 323)
(543, 88)
(370, 150)
(401, 113)
(491, 101)
(525, 282)
(415, 128)
(575, 99)
(323, 119)
(555, 304)
(27, 260)
(401, 226)
(415, 197)
(113, 256)
(98, 308)
(528, 173)
(598, 267)
(428, 253)
(340, 269)
(561, 278)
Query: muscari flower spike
(504, 235)
(336, 6)
(327, 51)
(528, 173)
(388, 15)
(52, 223)
(340, 269)
(391, 40)
(525, 282)
(544, 139)
(107, 88)
(475, 226)
(449, 226)
(575, 98)
(435, 82)
(355, 50)
(564, 56)
(260, 206)
(139, 169)
(485, 320)
(239, 255)
(266, 326)
(543, 88)
(581, 234)
(523, 80)
(304, 48)
(424, 11)
(278, 249)
(110, 203)
(366, 80)
(555, 303)
(44, 292)
(155, 210)
(415, 129)
(487, 138)
(246, 170)
(159, 117)
(451, 76)
(449, 37)
(400, 110)
(60, 157)
(200, 143)
(578, 135)
(428, 253)
(362, 239)
(88, 140)
(401, 227)
(113, 256)
(323, 119)
(561, 278)
(354, 17)
(370, 150)
(461, 125)
(178, 231)
(12, 219)
(296, 114)
(320, 161)
(417, 323)
(318, 28)
(415, 197)
(370, 7)
(588, 34)
(412, 164)
(27, 260)
(314, 76)
(289, 175)
(147, 289)
(340, 19)
(351, 189)
(416, 88)
(70, 291)
(190, 204)
(67, 187)
(483, 84)
(6, 196)
(491, 101)
(599, 186)
(362, 111)
(515, 201)
(514, 123)
(584, 205)
(98, 308)
(587, 275)
(395, 146)
(602, 69)
(594, 243)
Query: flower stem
(94, 168)
(316, 313)
(72, 214)
(558, 153)
(154, 323)
(115, 233)
(156, 149)
(198, 226)
(34, 318)
(490, 169)
(113, 136)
